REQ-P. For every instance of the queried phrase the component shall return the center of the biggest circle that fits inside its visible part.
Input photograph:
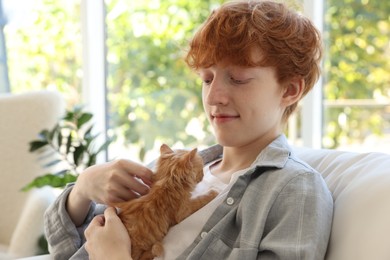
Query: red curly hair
(287, 41)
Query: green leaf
(84, 118)
(69, 116)
(35, 145)
(53, 132)
(91, 160)
(88, 131)
(68, 143)
(59, 139)
(57, 181)
(43, 245)
(45, 134)
(78, 154)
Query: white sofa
(22, 117)
(360, 184)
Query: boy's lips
(222, 118)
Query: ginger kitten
(168, 202)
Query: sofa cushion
(360, 184)
(22, 117)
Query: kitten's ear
(191, 155)
(164, 149)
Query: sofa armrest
(360, 186)
(24, 241)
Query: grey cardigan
(279, 209)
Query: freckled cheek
(206, 106)
(204, 101)
(206, 109)
(204, 95)
(256, 109)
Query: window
(357, 75)
(44, 46)
(151, 95)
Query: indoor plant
(67, 149)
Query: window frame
(95, 75)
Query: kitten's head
(179, 167)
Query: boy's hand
(107, 237)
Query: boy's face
(244, 105)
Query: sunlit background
(142, 93)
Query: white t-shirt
(181, 236)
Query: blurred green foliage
(153, 95)
(357, 66)
(44, 49)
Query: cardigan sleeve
(63, 237)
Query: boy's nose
(216, 93)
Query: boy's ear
(293, 91)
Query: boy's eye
(207, 81)
(239, 81)
(206, 77)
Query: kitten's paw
(212, 194)
(157, 249)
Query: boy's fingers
(143, 173)
(110, 213)
(98, 220)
